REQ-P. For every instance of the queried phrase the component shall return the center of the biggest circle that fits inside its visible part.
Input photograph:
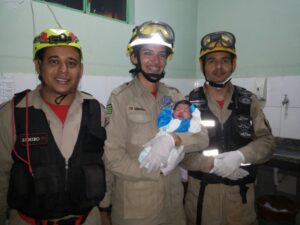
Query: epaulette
(121, 88)
(85, 93)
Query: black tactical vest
(56, 188)
(235, 133)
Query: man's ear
(201, 63)
(81, 70)
(233, 64)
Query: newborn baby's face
(182, 111)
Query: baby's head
(181, 110)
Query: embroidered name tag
(34, 139)
(131, 108)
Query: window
(110, 8)
(75, 4)
(116, 9)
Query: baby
(184, 117)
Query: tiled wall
(284, 119)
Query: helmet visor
(210, 41)
(151, 28)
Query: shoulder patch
(108, 109)
(85, 93)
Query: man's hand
(226, 163)
(161, 147)
(176, 155)
(239, 173)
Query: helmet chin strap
(59, 98)
(217, 85)
(151, 77)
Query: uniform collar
(35, 99)
(161, 91)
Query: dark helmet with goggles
(221, 41)
(152, 32)
(55, 37)
(218, 41)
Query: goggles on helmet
(151, 28)
(55, 37)
(152, 32)
(218, 41)
(210, 41)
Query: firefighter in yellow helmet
(142, 194)
(51, 142)
(221, 178)
(56, 38)
(218, 42)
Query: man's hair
(40, 54)
(232, 56)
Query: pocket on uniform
(141, 199)
(20, 180)
(46, 180)
(243, 126)
(139, 116)
(139, 124)
(86, 185)
(95, 181)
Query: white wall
(284, 120)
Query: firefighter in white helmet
(142, 194)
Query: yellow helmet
(152, 32)
(55, 37)
(218, 41)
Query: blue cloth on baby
(166, 115)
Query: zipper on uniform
(66, 174)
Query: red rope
(13, 134)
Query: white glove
(239, 173)
(161, 147)
(226, 163)
(175, 157)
